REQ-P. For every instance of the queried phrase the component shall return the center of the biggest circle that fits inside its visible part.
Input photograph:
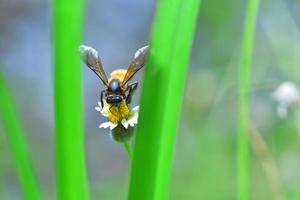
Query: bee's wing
(90, 56)
(136, 64)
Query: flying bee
(116, 88)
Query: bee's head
(114, 86)
(114, 95)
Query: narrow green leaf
(17, 143)
(69, 138)
(165, 74)
(243, 100)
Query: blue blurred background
(204, 161)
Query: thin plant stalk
(128, 150)
(268, 163)
(17, 143)
(71, 179)
(165, 74)
(243, 100)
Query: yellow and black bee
(117, 91)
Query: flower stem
(128, 150)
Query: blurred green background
(205, 157)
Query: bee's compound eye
(113, 99)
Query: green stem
(243, 101)
(17, 143)
(128, 150)
(71, 176)
(161, 97)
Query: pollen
(117, 113)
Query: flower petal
(131, 123)
(133, 119)
(136, 109)
(105, 125)
(125, 123)
(108, 125)
(104, 112)
(98, 108)
(112, 126)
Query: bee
(116, 88)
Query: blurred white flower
(287, 95)
(131, 120)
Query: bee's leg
(110, 110)
(101, 98)
(131, 87)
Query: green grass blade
(69, 138)
(17, 143)
(161, 98)
(243, 100)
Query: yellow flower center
(117, 113)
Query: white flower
(104, 111)
(287, 95)
(131, 121)
(133, 118)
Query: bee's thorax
(114, 86)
